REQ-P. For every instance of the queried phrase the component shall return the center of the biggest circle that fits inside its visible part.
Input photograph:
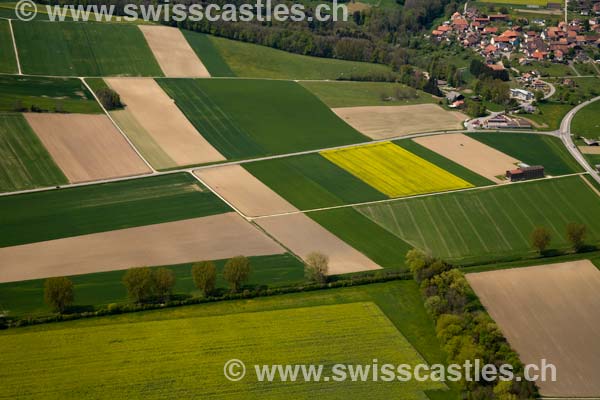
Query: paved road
(565, 136)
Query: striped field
(491, 223)
(394, 171)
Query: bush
(109, 98)
(164, 282)
(58, 293)
(205, 277)
(237, 272)
(540, 239)
(317, 267)
(576, 235)
(140, 284)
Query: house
(538, 85)
(526, 173)
(454, 96)
(521, 94)
(496, 67)
(591, 142)
(498, 17)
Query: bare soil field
(470, 153)
(384, 122)
(162, 120)
(86, 147)
(240, 188)
(173, 53)
(207, 238)
(551, 312)
(302, 236)
(590, 149)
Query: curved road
(565, 136)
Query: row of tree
(541, 237)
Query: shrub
(140, 284)
(109, 98)
(317, 267)
(236, 272)
(164, 282)
(205, 276)
(58, 293)
(576, 235)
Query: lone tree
(317, 267)
(236, 272)
(576, 235)
(58, 293)
(540, 239)
(140, 284)
(109, 98)
(164, 282)
(205, 276)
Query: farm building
(504, 121)
(521, 94)
(525, 173)
(591, 142)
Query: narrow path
(153, 171)
(552, 89)
(572, 66)
(12, 34)
(591, 186)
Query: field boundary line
(152, 170)
(14, 40)
(591, 186)
(234, 208)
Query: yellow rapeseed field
(394, 171)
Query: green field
(24, 162)
(208, 53)
(84, 49)
(358, 231)
(490, 224)
(253, 61)
(533, 150)
(101, 289)
(356, 94)
(190, 345)
(311, 181)
(67, 95)
(543, 3)
(54, 214)
(587, 121)
(8, 63)
(248, 118)
(443, 162)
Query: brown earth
(590, 149)
(549, 312)
(245, 192)
(208, 238)
(471, 154)
(302, 236)
(173, 53)
(160, 118)
(86, 147)
(383, 122)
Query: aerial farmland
(185, 205)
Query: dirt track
(86, 147)
(471, 154)
(173, 53)
(163, 121)
(550, 312)
(383, 122)
(208, 238)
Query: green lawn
(190, 345)
(533, 150)
(378, 244)
(253, 61)
(104, 288)
(355, 94)
(208, 53)
(491, 224)
(47, 94)
(8, 63)
(54, 214)
(24, 162)
(249, 118)
(550, 115)
(587, 121)
(443, 162)
(84, 49)
(311, 181)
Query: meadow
(53, 214)
(249, 60)
(90, 49)
(533, 150)
(491, 224)
(388, 322)
(24, 162)
(8, 63)
(393, 170)
(587, 121)
(206, 51)
(356, 94)
(541, 3)
(311, 181)
(26, 298)
(68, 95)
(249, 118)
